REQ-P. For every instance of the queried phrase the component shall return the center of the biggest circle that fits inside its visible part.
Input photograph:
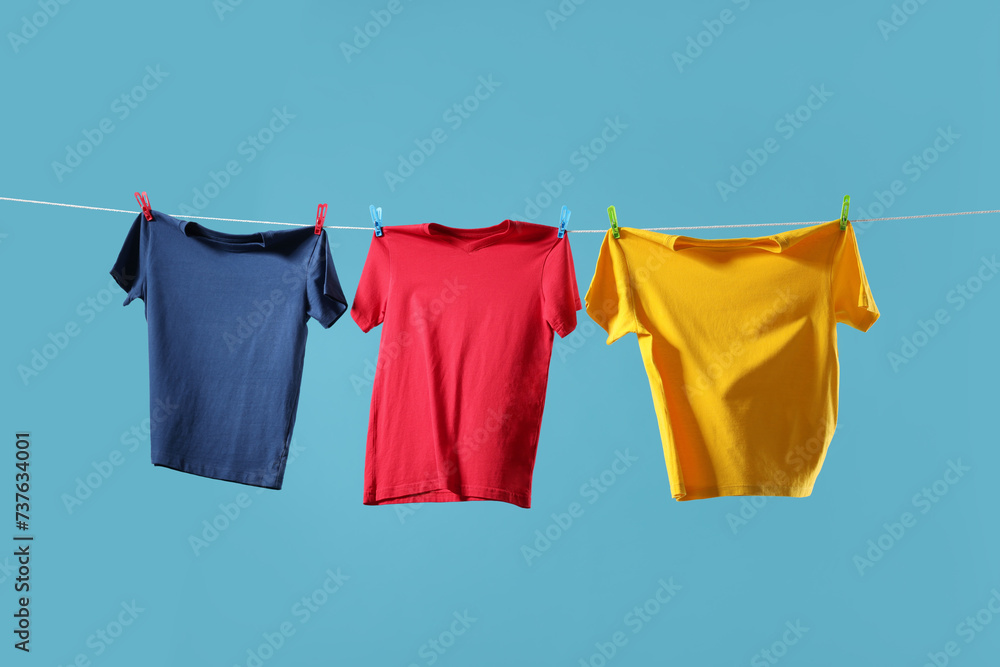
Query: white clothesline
(370, 228)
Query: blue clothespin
(377, 219)
(563, 220)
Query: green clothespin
(614, 221)
(843, 212)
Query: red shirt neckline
(470, 239)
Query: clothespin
(376, 218)
(563, 221)
(143, 200)
(614, 221)
(843, 212)
(320, 217)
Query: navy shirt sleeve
(128, 270)
(324, 296)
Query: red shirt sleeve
(368, 309)
(560, 293)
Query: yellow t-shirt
(738, 337)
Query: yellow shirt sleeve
(853, 303)
(609, 298)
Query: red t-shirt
(464, 357)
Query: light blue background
(793, 561)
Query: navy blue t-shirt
(226, 315)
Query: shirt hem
(268, 480)
(437, 492)
(744, 490)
